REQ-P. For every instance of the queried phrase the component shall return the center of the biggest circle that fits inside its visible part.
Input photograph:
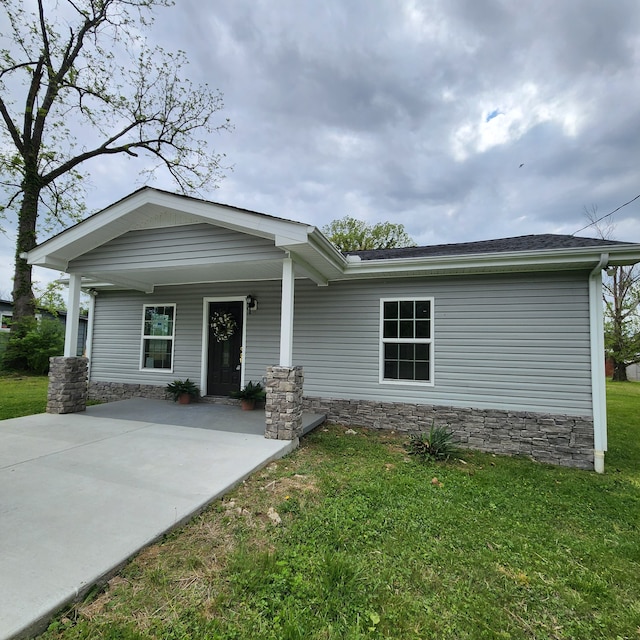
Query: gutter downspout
(598, 390)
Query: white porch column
(73, 316)
(286, 313)
(283, 404)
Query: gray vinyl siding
(118, 326)
(517, 342)
(175, 246)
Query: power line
(606, 215)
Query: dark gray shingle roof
(502, 245)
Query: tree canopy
(78, 81)
(350, 234)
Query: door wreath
(223, 326)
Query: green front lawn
(22, 395)
(372, 544)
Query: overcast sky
(461, 119)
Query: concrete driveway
(81, 493)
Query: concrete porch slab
(203, 415)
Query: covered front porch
(204, 276)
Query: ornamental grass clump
(438, 444)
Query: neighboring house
(6, 316)
(633, 372)
(502, 339)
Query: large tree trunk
(23, 298)
(619, 371)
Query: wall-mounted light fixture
(252, 304)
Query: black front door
(225, 348)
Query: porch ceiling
(123, 277)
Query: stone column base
(283, 407)
(68, 387)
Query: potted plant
(182, 391)
(249, 395)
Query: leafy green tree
(50, 298)
(622, 319)
(78, 81)
(350, 234)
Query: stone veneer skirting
(114, 391)
(556, 439)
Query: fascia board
(513, 261)
(285, 238)
(622, 256)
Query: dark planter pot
(184, 398)
(247, 405)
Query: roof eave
(544, 260)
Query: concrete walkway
(81, 493)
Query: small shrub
(438, 444)
(32, 343)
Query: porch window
(406, 341)
(158, 329)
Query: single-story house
(502, 340)
(6, 317)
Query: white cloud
(517, 113)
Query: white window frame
(146, 337)
(429, 341)
(9, 316)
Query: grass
(370, 545)
(22, 395)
